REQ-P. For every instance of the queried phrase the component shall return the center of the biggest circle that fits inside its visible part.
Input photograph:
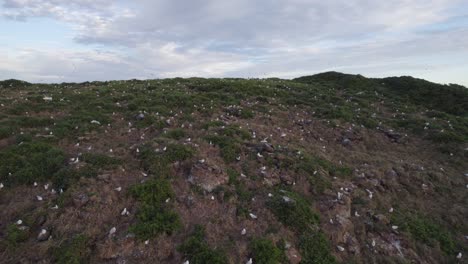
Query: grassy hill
(328, 168)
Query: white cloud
(156, 38)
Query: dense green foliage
(296, 213)
(315, 249)
(197, 251)
(155, 215)
(29, 162)
(265, 252)
(425, 230)
(73, 251)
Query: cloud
(245, 38)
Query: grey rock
(80, 200)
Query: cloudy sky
(84, 40)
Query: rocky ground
(330, 168)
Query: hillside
(329, 168)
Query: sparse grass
(197, 251)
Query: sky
(87, 40)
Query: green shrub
(296, 213)
(229, 147)
(263, 251)
(30, 162)
(177, 133)
(425, 230)
(315, 249)
(14, 235)
(158, 163)
(74, 251)
(100, 160)
(5, 132)
(155, 215)
(197, 251)
(65, 177)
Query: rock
(189, 201)
(381, 218)
(80, 200)
(104, 177)
(393, 136)
(352, 245)
(41, 220)
(207, 176)
(391, 173)
(43, 235)
(268, 148)
(286, 179)
(293, 255)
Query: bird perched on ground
(112, 231)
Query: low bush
(196, 250)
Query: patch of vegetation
(155, 215)
(30, 162)
(315, 249)
(207, 125)
(13, 83)
(100, 160)
(15, 235)
(73, 251)
(319, 182)
(5, 132)
(263, 251)
(177, 133)
(197, 251)
(230, 148)
(65, 177)
(425, 230)
(157, 163)
(293, 210)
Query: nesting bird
(112, 231)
